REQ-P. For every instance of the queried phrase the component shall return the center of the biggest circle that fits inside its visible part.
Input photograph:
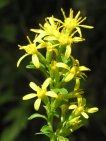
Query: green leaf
(30, 66)
(46, 129)
(64, 59)
(61, 91)
(36, 115)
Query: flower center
(70, 23)
(30, 49)
(41, 93)
(65, 39)
(75, 70)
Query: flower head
(80, 108)
(74, 71)
(30, 49)
(51, 27)
(66, 39)
(72, 22)
(40, 93)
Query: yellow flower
(40, 93)
(30, 49)
(79, 109)
(74, 23)
(65, 39)
(48, 32)
(75, 71)
(50, 28)
(68, 40)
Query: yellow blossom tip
(29, 40)
(37, 104)
(19, 46)
(85, 115)
(92, 110)
(21, 58)
(72, 107)
(63, 13)
(29, 96)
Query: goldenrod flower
(49, 32)
(79, 109)
(30, 49)
(40, 93)
(50, 28)
(75, 71)
(71, 23)
(66, 40)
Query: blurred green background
(16, 19)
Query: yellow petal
(35, 60)
(63, 13)
(42, 45)
(50, 38)
(78, 39)
(83, 68)
(71, 13)
(51, 20)
(19, 61)
(34, 86)
(37, 104)
(68, 51)
(81, 20)
(79, 31)
(46, 83)
(84, 115)
(77, 15)
(29, 40)
(72, 107)
(38, 31)
(79, 101)
(92, 110)
(29, 96)
(62, 65)
(77, 84)
(69, 77)
(39, 38)
(51, 94)
(86, 26)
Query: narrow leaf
(36, 115)
(46, 129)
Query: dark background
(16, 19)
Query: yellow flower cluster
(62, 32)
(61, 89)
